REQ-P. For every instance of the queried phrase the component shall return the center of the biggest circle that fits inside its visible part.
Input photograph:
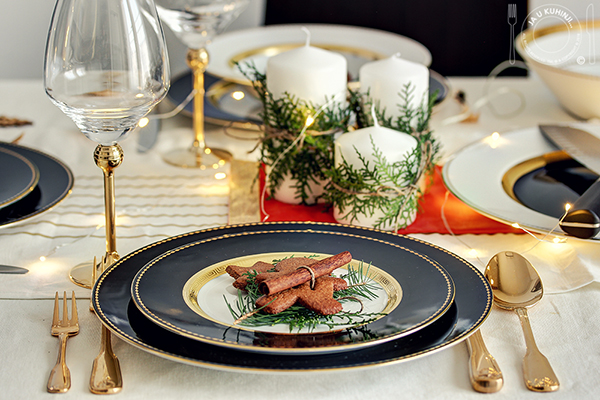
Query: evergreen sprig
(284, 119)
(391, 188)
(298, 317)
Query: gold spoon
(517, 285)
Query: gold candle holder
(198, 155)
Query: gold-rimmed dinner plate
(504, 177)
(54, 185)
(357, 44)
(18, 178)
(114, 306)
(413, 292)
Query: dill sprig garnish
(360, 285)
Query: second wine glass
(195, 23)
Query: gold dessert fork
(60, 376)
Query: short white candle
(393, 145)
(386, 79)
(308, 73)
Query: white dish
(358, 45)
(567, 59)
(474, 175)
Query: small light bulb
(238, 95)
(473, 253)
(567, 207)
(220, 175)
(495, 136)
(515, 225)
(143, 122)
(42, 258)
(309, 121)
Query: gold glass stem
(108, 158)
(199, 155)
(197, 60)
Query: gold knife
(485, 373)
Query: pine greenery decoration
(360, 286)
(391, 188)
(288, 147)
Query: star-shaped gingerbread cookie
(320, 299)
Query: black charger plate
(55, 183)
(114, 306)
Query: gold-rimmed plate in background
(505, 175)
(357, 44)
(54, 185)
(18, 177)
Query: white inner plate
(358, 45)
(213, 286)
(474, 175)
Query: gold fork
(60, 376)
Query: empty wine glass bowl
(195, 22)
(106, 64)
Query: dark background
(465, 37)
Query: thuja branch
(305, 161)
(360, 285)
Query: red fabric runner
(461, 218)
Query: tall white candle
(308, 73)
(393, 145)
(386, 78)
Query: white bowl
(567, 58)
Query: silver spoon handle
(537, 372)
(486, 376)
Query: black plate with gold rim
(415, 291)
(114, 306)
(18, 177)
(54, 184)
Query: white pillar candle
(386, 79)
(395, 146)
(308, 73)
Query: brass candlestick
(199, 155)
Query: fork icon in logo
(512, 21)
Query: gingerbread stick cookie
(320, 299)
(301, 275)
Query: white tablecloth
(565, 324)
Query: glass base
(212, 159)
(81, 275)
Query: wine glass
(195, 23)
(106, 66)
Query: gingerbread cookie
(320, 299)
